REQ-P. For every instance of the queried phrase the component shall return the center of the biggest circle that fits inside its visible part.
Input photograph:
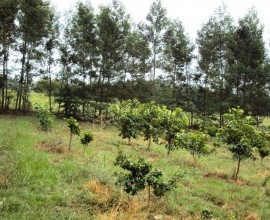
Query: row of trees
(103, 56)
(169, 128)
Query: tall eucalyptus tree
(83, 43)
(249, 56)
(214, 53)
(34, 19)
(51, 44)
(8, 14)
(177, 57)
(154, 27)
(113, 29)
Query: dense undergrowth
(41, 179)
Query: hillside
(40, 179)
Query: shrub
(86, 138)
(141, 175)
(172, 122)
(126, 118)
(241, 136)
(211, 130)
(45, 117)
(207, 214)
(195, 143)
(74, 129)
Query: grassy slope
(39, 179)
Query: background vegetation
(88, 59)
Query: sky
(192, 13)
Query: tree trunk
(70, 140)
(244, 91)
(50, 87)
(149, 194)
(238, 168)
(168, 152)
(6, 82)
(205, 101)
(149, 143)
(21, 82)
(4, 89)
(154, 63)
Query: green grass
(40, 179)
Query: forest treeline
(87, 59)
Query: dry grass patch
(252, 216)
(113, 204)
(99, 191)
(261, 173)
(218, 174)
(3, 181)
(51, 146)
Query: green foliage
(195, 143)
(45, 117)
(150, 120)
(32, 33)
(141, 175)
(87, 137)
(261, 141)
(156, 23)
(74, 129)
(151, 114)
(211, 130)
(172, 122)
(241, 136)
(248, 49)
(42, 86)
(238, 132)
(207, 214)
(73, 126)
(126, 117)
(129, 126)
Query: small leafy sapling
(207, 214)
(264, 152)
(74, 129)
(260, 140)
(127, 119)
(195, 143)
(142, 175)
(150, 122)
(86, 138)
(240, 135)
(45, 117)
(129, 125)
(172, 122)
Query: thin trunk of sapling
(149, 143)
(149, 194)
(84, 150)
(238, 168)
(168, 152)
(70, 140)
(50, 87)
